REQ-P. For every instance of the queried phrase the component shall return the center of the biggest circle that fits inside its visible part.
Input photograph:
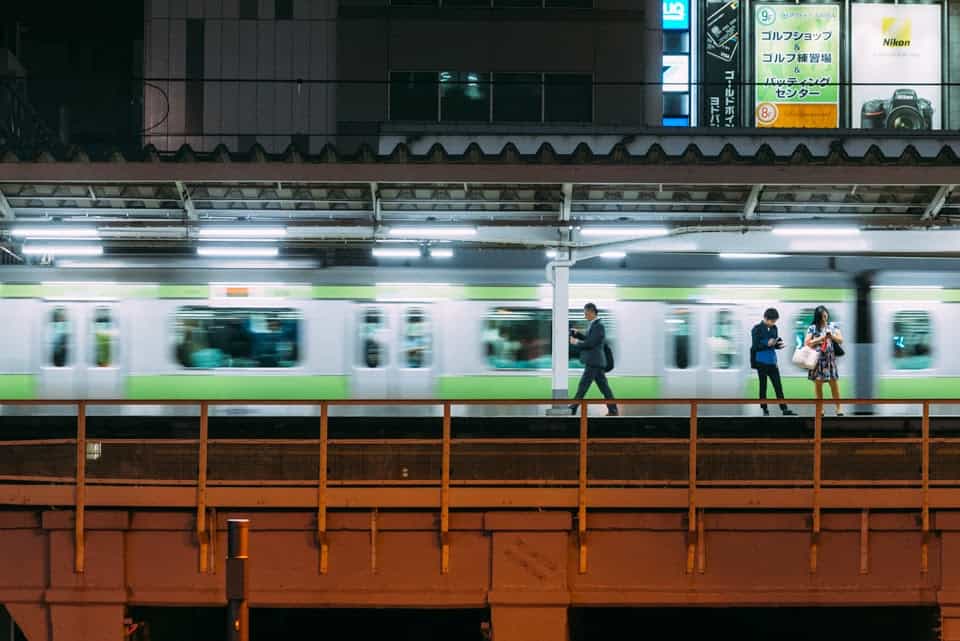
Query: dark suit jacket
(591, 347)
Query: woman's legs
(835, 392)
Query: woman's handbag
(806, 357)
(837, 350)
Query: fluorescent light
(63, 250)
(441, 253)
(238, 252)
(635, 232)
(247, 233)
(747, 256)
(55, 233)
(613, 255)
(433, 232)
(396, 252)
(815, 231)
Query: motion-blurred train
(189, 340)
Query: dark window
(466, 3)
(248, 10)
(59, 337)
(413, 95)
(517, 97)
(194, 85)
(413, 3)
(676, 104)
(679, 343)
(207, 337)
(517, 4)
(569, 4)
(373, 338)
(676, 42)
(283, 9)
(911, 340)
(568, 97)
(464, 96)
(519, 337)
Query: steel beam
(750, 206)
(187, 203)
(939, 200)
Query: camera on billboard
(904, 110)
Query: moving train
(131, 339)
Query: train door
(722, 372)
(681, 354)
(79, 351)
(393, 351)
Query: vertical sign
(676, 15)
(898, 48)
(722, 64)
(797, 65)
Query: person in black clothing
(763, 357)
(590, 346)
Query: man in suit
(590, 346)
(765, 343)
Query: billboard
(797, 66)
(896, 46)
(722, 64)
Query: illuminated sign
(676, 74)
(676, 15)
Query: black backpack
(608, 355)
(753, 352)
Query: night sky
(83, 55)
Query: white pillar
(561, 328)
(653, 63)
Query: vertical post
(238, 580)
(582, 488)
(202, 533)
(817, 459)
(864, 541)
(322, 489)
(80, 491)
(445, 494)
(925, 487)
(560, 275)
(692, 490)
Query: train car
(218, 340)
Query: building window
(568, 4)
(517, 97)
(413, 95)
(911, 340)
(466, 4)
(464, 96)
(568, 97)
(248, 10)
(283, 9)
(517, 4)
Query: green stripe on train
(18, 386)
(188, 386)
(476, 387)
(927, 387)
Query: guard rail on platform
(591, 471)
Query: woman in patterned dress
(822, 335)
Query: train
(238, 337)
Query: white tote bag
(806, 357)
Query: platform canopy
(683, 193)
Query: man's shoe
(573, 410)
(789, 413)
(613, 413)
(766, 412)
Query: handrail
(694, 454)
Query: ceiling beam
(938, 201)
(753, 198)
(185, 200)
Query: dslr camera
(904, 110)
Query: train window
(679, 348)
(58, 337)
(802, 323)
(104, 337)
(520, 337)
(417, 339)
(723, 343)
(372, 349)
(911, 340)
(208, 337)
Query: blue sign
(676, 15)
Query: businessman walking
(590, 346)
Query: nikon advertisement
(797, 65)
(897, 47)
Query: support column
(653, 63)
(949, 622)
(561, 330)
(529, 623)
(863, 342)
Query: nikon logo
(897, 32)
